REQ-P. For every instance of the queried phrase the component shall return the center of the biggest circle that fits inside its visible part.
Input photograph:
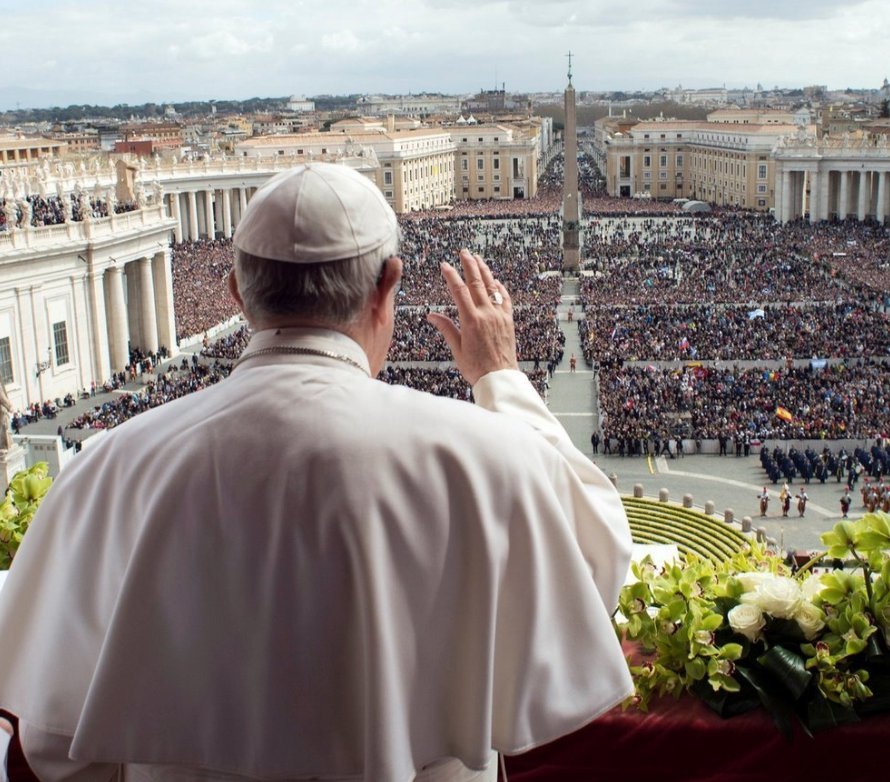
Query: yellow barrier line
(650, 463)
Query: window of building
(497, 189)
(662, 174)
(679, 161)
(647, 175)
(663, 161)
(761, 202)
(647, 161)
(464, 164)
(60, 341)
(761, 170)
(496, 163)
(387, 177)
(388, 194)
(497, 177)
(481, 189)
(480, 177)
(480, 164)
(6, 374)
(761, 188)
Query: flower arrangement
(22, 499)
(748, 632)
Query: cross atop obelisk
(571, 206)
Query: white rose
(747, 620)
(810, 619)
(811, 588)
(750, 581)
(778, 596)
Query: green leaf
(724, 702)
(731, 651)
(696, 669)
(779, 708)
(823, 713)
(788, 668)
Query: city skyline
(165, 51)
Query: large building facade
(413, 168)
(74, 298)
(728, 164)
(494, 161)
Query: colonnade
(826, 191)
(135, 301)
(207, 213)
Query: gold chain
(300, 351)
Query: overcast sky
(99, 51)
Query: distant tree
(885, 108)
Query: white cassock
(305, 573)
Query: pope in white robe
(306, 573)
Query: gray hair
(332, 292)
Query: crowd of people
(657, 332)
(174, 382)
(36, 211)
(843, 400)
(201, 298)
(658, 285)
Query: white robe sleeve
(604, 540)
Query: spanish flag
(784, 414)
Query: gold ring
(496, 298)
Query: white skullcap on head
(315, 213)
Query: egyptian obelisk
(571, 206)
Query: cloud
(341, 41)
(225, 43)
(229, 48)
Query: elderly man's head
(312, 245)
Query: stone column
(227, 213)
(786, 197)
(100, 363)
(862, 201)
(147, 306)
(193, 215)
(815, 205)
(843, 200)
(881, 211)
(133, 293)
(162, 279)
(117, 318)
(824, 194)
(208, 214)
(176, 214)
